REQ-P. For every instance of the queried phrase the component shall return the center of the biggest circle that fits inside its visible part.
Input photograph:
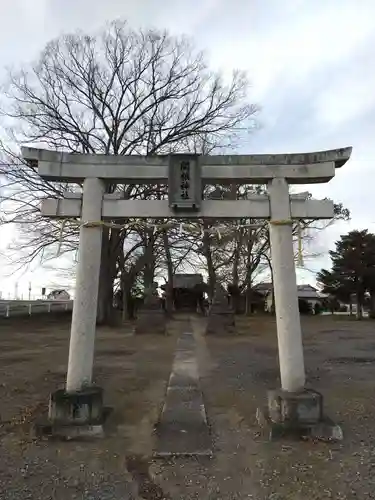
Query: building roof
(185, 281)
(58, 293)
(304, 291)
(263, 287)
(308, 292)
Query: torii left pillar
(79, 408)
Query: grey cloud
(300, 55)
(182, 16)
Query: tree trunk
(127, 282)
(235, 276)
(359, 314)
(110, 247)
(249, 296)
(169, 288)
(149, 266)
(105, 283)
(128, 306)
(249, 271)
(271, 309)
(210, 265)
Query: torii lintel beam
(257, 208)
(297, 168)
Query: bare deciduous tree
(117, 92)
(240, 255)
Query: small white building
(58, 295)
(305, 292)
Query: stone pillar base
(76, 415)
(298, 415)
(151, 321)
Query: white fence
(10, 308)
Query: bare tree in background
(117, 92)
(240, 255)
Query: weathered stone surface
(152, 299)
(182, 427)
(151, 321)
(297, 415)
(75, 415)
(305, 407)
(69, 432)
(326, 430)
(83, 331)
(220, 300)
(57, 166)
(151, 317)
(221, 319)
(220, 324)
(82, 407)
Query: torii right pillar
(293, 409)
(292, 370)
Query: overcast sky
(311, 63)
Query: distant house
(305, 292)
(58, 295)
(245, 301)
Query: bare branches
(116, 92)
(125, 92)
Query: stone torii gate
(185, 175)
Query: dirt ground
(236, 372)
(133, 370)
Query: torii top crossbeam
(298, 168)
